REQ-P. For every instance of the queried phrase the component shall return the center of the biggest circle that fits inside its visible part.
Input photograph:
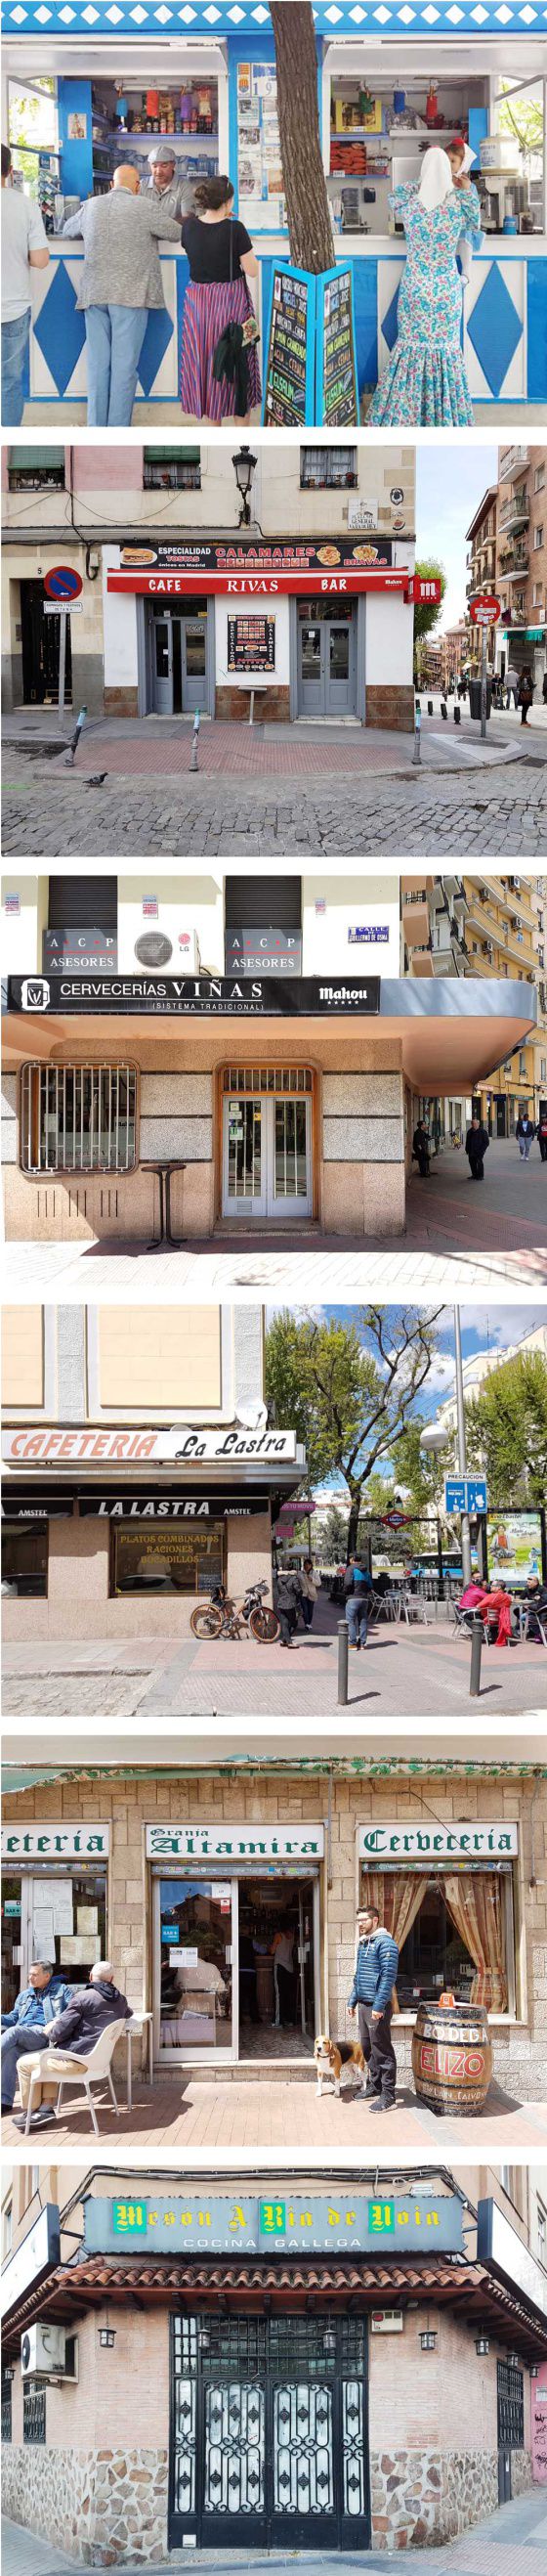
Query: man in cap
(174, 195)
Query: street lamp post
(244, 465)
(462, 1452)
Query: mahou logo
(35, 993)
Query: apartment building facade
(484, 927)
(207, 577)
(521, 561)
(481, 568)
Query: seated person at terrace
(29, 2024)
(73, 2035)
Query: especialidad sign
(207, 997)
(414, 2223)
(55, 1842)
(437, 1842)
(235, 1842)
(26, 1447)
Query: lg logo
(35, 993)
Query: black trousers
(378, 2049)
(476, 1168)
(543, 1148)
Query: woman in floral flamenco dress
(425, 381)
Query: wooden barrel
(452, 2057)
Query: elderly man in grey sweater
(121, 284)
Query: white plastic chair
(84, 2071)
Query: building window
(34, 2411)
(328, 469)
(539, 478)
(538, 594)
(24, 1561)
(510, 2407)
(172, 469)
(173, 1556)
(461, 1935)
(538, 539)
(78, 1118)
(6, 2407)
(542, 2232)
(36, 469)
(7, 2229)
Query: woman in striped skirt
(221, 260)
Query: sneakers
(380, 2105)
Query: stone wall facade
(421, 2498)
(107, 2507)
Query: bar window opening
(24, 1562)
(78, 1118)
(453, 1932)
(170, 1558)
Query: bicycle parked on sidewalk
(220, 1617)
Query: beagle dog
(332, 2054)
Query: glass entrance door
(194, 665)
(162, 666)
(195, 1991)
(269, 2435)
(267, 1157)
(327, 663)
(310, 670)
(338, 674)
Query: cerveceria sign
(196, 996)
(431, 1842)
(419, 2223)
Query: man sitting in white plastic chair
(73, 2035)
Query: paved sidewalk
(513, 2542)
(404, 1672)
(268, 2113)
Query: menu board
(251, 643)
(260, 175)
(338, 392)
(291, 317)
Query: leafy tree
(308, 211)
(507, 1431)
(350, 1394)
(332, 1542)
(427, 611)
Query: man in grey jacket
(175, 195)
(121, 284)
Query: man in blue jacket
(375, 1974)
(40, 2003)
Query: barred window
(250, 1078)
(172, 469)
(78, 1118)
(326, 468)
(6, 2407)
(34, 2410)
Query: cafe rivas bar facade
(144, 1106)
(196, 1870)
(267, 2369)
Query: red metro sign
(485, 610)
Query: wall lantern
(482, 2344)
(8, 2370)
(534, 2369)
(513, 2361)
(244, 465)
(428, 2340)
(107, 2337)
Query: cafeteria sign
(416, 2223)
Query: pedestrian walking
(358, 1591)
(476, 1146)
(219, 366)
(525, 693)
(525, 1131)
(421, 1142)
(121, 283)
(512, 683)
(371, 1995)
(285, 1603)
(24, 246)
(308, 1592)
(542, 1135)
(544, 688)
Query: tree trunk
(353, 1524)
(308, 211)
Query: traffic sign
(485, 610)
(465, 1494)
(62, 607)
(62, 583)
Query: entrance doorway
(277, 2014)
(267, 1145)
(40, 649)
(179, 659)
(269, 2431)
(327, 659)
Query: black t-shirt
(207, 247)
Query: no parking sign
(63, 585)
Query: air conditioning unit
(164, 943)
(43, 2352)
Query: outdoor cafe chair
(82, 2071)
(529, 1615)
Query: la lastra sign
(431, 1842)
(55, 1842)
(71, 1446)
(412, 2224)
(235, 1842)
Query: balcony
(423, 962)
(513, 462)
(514, 571)
(514, 514)
(416, 927)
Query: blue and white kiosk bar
(390, 78)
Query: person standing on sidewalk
(512, 684)
(542, 1136)
(121, 282)
(526, 693)
(308, 1595)
(358, 1590)
(374, 1978)
(476, 1146)
(421, 1143)
(24, 246)
(525, 1131)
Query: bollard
(195, 741)
(417, 752)
(476, 1652)
(343, 1643)
(70, 753)
(430, 706)
(444, 709)
(457, 715)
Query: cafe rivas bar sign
(194, 996)
(417, 2223)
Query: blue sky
(450, 482)
(504, 1327)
